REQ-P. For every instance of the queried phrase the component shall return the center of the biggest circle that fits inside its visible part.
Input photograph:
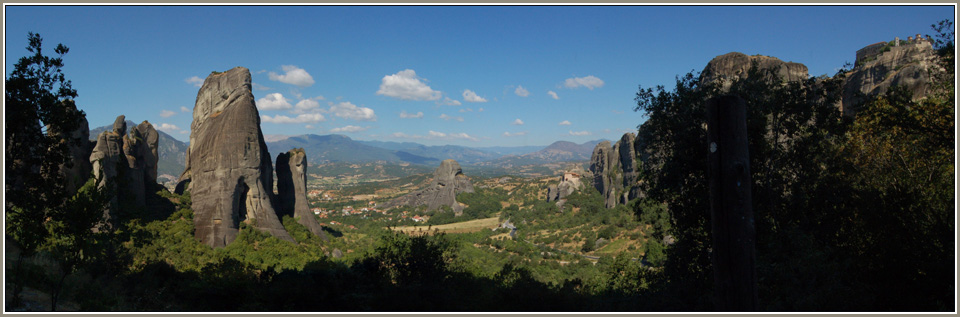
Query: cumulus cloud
(293, 75)
(309, 126)
(578, 133)
(405, 115)
(446, 117)
(466, 110)
(590, 82)
(553, 94)
(184, 109)
(508, 134)
(406, 85)
(167, 113)
(451, 136)
(565, 122)
(517, 122)
(349, 129)
(306, 105)
(520, 91)
(470, 96)
(257, 86)
(348, 110)
(274, 101)
(196, 81)
(303, 118)
(166, 127)
(434, 135)
(449, 102)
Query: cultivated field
(456, 227)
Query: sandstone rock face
(882, 65)
(149, 154)
(615, 172)
(448, 181)
(569, 183)
(231, 176)
(729, 67)
(128, 164)
(79, 155)
(292, 190)
(106, 159)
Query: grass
(456, 227)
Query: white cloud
(293, 75)
(257, 86)
(303, 118)
(184, 109)
(580, 133)
(589, 82)
(401, 135)
(470, 96)
(306, 105)
(348, 110)
(166, 127)
(167, 113)
(309, 126)
(553, 94)
(463, 136)
(520, 91)
(565, 122)
(405, 115)
(274, 101)
(348, 129)
(446, 117)
(433, 135)
(480, 110)
(466, 110)
(196, 81)
(451, 136)
(405, 85)
(184, 131)
(517, 122)
(449, 102)
(508, 134)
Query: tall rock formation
(292, 190)
(126, 163)
(882, 65)
(77, 170)
(729, 67)
(448, 181)
(614, 170)
(229, 168)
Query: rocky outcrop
(615, 172)
(882, 65)
(292, 190)
(726, 69)
(569, 183)
(448, 181)
(229, 169)
(126, 164)
(78, 168)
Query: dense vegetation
(851, 214)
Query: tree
(38, 99)
(70, 239)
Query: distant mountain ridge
(560, 151)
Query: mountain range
(335, 148)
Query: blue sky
(465, 75)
